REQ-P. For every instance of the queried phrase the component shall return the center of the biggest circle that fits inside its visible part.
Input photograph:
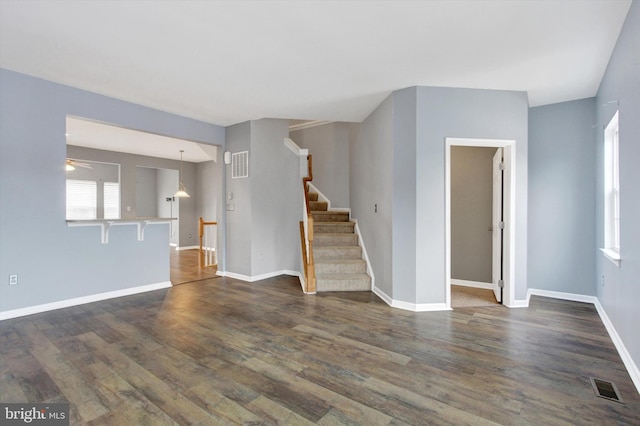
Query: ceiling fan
(72, 164)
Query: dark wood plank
(221, 351)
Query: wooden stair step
(343, 282)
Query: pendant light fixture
(182, 191)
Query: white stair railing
(208, 237)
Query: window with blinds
(82, 199)
(111, 199)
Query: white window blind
(82, 200)
(240, 165)
(111, 200)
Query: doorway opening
(503, 258)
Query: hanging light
(182, 191)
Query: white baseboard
(560, 295)
(631, 366)
(365, 255)
(474, 284)
(81, 300)
(407, 306)
(518, 304)
(254, 278)
(382, 295)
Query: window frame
(611, 248)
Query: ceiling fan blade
(75, 163)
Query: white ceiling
(226, 62)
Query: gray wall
(238, 231)
(276, 197)
(329, 146)
(471, 213)
(462, 113)
(398, 163)
(147, 192)
(621, 290)
(167, 184)
(71, 261)
(562, 190)
(403, 205)
(262, 229)
(370, 154)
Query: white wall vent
(240, 165)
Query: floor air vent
(605, 389)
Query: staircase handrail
(306, 232)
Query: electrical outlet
(13, 279)
(603, 281)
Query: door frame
(509, 195)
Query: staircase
(336, 252)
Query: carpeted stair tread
(330, 216)
(330, 252)
(340, 266)
(313, 196)
(334, 239)
(333, 227)
(343, 282)
(318, 206)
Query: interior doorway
(503, 258)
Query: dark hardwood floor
(222, 351)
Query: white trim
(289, 143)
(365, 255)
(408, 306)
(474, 284)
(612, 255)
(254, 278)
(82, 300)
(308, 125)
(382, 295)
(106, 224)
(420, 307)
(628, 362)
(631, 366)
(322, 197)
(509, 146)
(188, 248)
(518, 304)
(561, 295)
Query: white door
(497, 226)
